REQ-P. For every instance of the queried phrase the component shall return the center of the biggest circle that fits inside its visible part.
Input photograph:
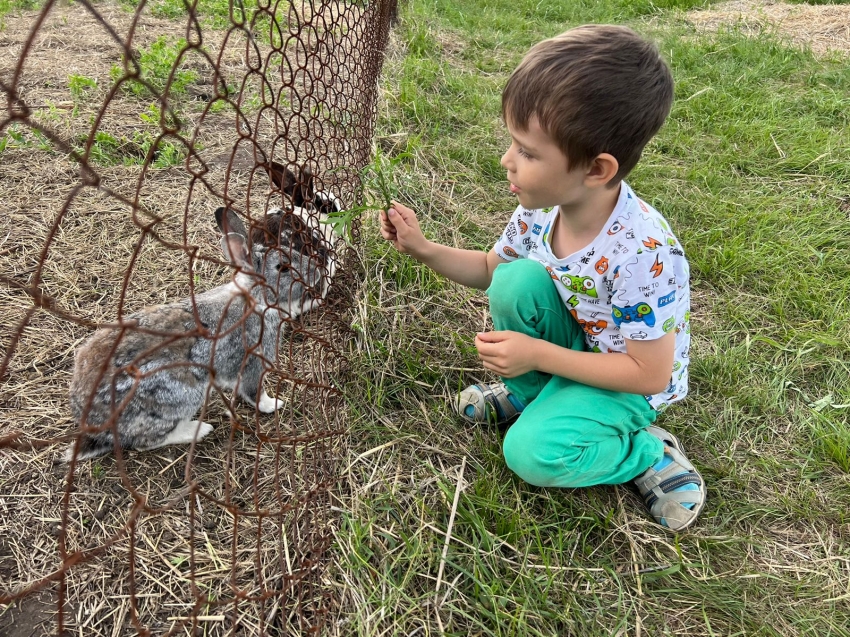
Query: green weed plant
(155, 66)
(110, 150)
(377, 188)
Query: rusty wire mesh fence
(125, 127)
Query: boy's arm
(644, 369)
(472, 268)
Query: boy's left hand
(507, 353)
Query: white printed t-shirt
(630, 282)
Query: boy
(588, 286)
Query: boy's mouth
(515, 189)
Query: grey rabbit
(148, 378)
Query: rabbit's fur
(148, 378)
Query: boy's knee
(514, 283)
(533, 462)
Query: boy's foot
(672, 488)
(488, 402)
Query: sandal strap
(674, 514)
(693, 497)
(678, 467)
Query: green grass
(17, 136)
(752, 169)
(110, 150)
(10, 6)
(217, 14)
(144, 146)
(158, 65)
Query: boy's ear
(601, 171)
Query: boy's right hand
(400, 226)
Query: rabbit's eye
(283, 267)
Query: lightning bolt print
(657, 268)
(651, 243)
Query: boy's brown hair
(594, 89)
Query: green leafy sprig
(376, 177)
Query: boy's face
(538, 172)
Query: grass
(10, 6)
(752, 170)
(110, 150)
(216, 14)
(436, 535)
(159, 66)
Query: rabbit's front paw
(267, 404)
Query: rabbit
(149, 377)
(300, 189)
(312, 206)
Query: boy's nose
(505, 160)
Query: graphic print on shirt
(594, 327)
(657, 267)
(641, 312)
(582, 284)
(602, 265)
(630, 283)
(510, 232)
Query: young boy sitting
(588, 286)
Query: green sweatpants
(569, 434)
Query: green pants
(569, 434)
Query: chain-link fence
(172, 470)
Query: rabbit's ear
(228, 221)
(281, 177)
(305, 192)
(235, 248)
(234, 243)
(299, 189)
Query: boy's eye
(523, 153)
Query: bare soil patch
(824, 28)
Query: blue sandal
(672, 488)
(488, 402)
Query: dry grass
(823, 28)
(231, 536)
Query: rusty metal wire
(125, 126)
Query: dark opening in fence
(144, 149)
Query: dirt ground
(824, 28)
